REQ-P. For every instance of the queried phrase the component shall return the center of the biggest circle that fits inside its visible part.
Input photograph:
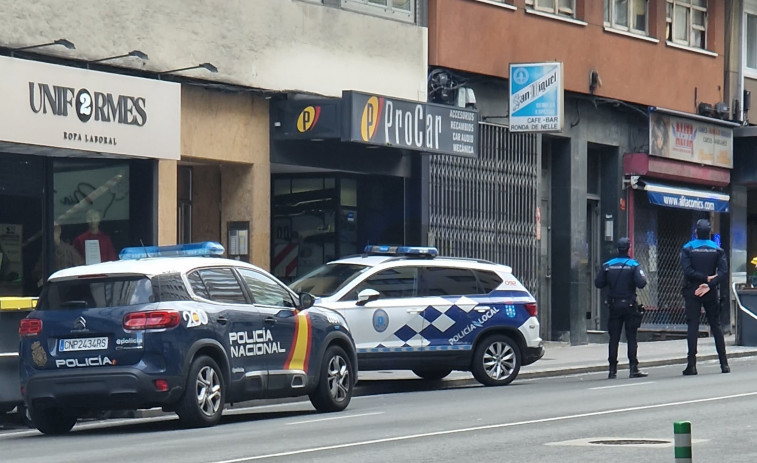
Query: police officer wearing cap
(622, 275)
(704, 268)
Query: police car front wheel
(203, 399)
(335, 383)
(496, 361)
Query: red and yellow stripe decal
(299, 352)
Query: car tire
(203, 400)
(432, 374)
(52, 421)
(496, 361)
(335, 382)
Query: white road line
(644, 383)
(339, 417)
(480, 428)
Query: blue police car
(180, 328)
(409, 309)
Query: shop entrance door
(592, 247)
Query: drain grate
(629, 442)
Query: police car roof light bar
(414, 251)
(203, 249)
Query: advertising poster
(690, 140)
(11, 267)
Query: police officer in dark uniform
(622, 275)
(704, 268)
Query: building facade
(622, 67)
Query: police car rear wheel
(52, 421)
(203, 399)
(496, 361)
(335, 383)
(432, 374)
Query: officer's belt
(621, 301)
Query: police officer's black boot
(691, 366)
(613, 371)
(636, 373)
(724, 368)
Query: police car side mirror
(367, 295)
(306, 300)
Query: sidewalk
(564, 359)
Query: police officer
(704, 267)
(623, 275)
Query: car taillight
(152, 319)
(29, 327)
(531, 308)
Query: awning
(683, 198)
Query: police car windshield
(327, 279)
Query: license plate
(68, 345)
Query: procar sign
(536, 97)
(384, 121)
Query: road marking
(481, 428)
(340, 417)
(622, 385)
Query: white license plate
(68, 345)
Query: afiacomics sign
(64, 107)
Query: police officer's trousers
(712, 310)
(623, 315)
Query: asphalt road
(580, 418)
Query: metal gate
(486, 207)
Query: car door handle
(414, 310)
(222, 320)
(270, 321)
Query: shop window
(184, 198)
(627, 15)
(91, 207)
(558, 7)
(687, 22)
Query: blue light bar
(204, 249)
(416, 251)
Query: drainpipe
(740, 74)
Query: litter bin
(12, 310)
(746, 319)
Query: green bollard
(682, 431)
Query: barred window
(687, 22)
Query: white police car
(188, 334)
(411, 310)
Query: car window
(170, 287)
(264, 290)
(487, 281)
(220, 285)
(448, 281)
(390, 283)
(198, 286)
(96, 292)
(327, 279)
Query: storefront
(347, 172)
(79, 153)
(685, 177)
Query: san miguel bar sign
(384, 121)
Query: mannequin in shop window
(65, 256)
(94, 244)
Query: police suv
(411, 310)
(188, 333)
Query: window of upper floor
(628, 15)
(687, 23)
(750, 43)
(402, 10)
(566, 8)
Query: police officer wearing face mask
(622, 275)
(704, 267)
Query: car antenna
(144, 247)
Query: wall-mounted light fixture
(134, 53)
(206, 66)
(64, 42)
